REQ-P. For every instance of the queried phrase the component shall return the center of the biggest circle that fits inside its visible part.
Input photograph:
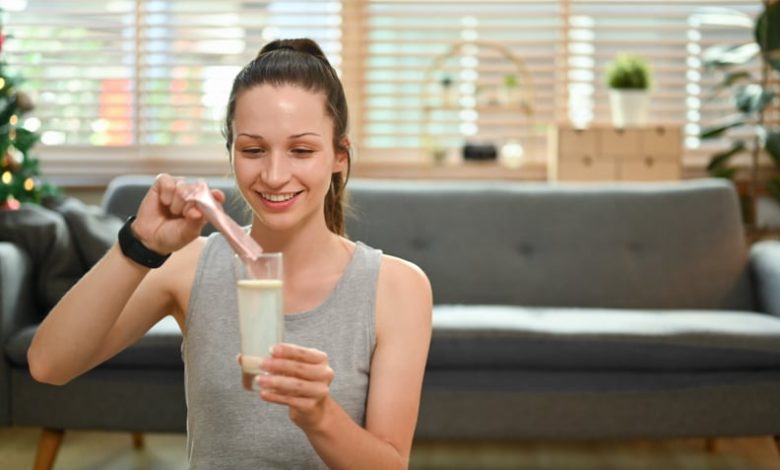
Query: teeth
(278, 197)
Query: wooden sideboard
(610, 154)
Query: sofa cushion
(93, 230)
(159, 348)
(43, 234)
(602, 339)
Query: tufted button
(634, 247)
(420, 244)
(525, 249)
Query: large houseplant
(628, 79)
(748, 128)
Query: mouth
(279, 197)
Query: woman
(344, 391)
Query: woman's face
(283, 155)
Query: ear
(342, 156)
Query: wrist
(322, 424)
(134, 249)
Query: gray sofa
(586, 311)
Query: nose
(277, 170)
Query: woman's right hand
(165, 221)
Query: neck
(301, 246)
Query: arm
(403, 329)
(117, 301)
(765, 266)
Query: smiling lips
(273, 197)
(278, 200)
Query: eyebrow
(295, 136)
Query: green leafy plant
(628, 72)
(751, 94)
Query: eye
(302, 151)
(253, 150)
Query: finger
(298, 353)
(166, 187)
(313, 372)
(218, 195)
(295, 402)
(178, 202)
(292, 386)
(192, 212)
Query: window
(148, 79)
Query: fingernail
(265, 364)
(273, 349)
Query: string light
(2, 83)
(7, 177)
(14, 119)
(29, 184)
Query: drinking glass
(260, 310)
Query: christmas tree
(19, 173)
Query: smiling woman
(344, 388)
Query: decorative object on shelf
(613, 154)
(628, 79)
(513, 92)
(753, 97)
(479, 152)
(19, 173)
(449, 93)
(511, 154)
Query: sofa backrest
(650, 245)
(661, 245)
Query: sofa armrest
(765, 267)
(17, 309)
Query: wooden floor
(114, 451)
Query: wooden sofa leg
(761, 451)
(138, 440)
(48, 446)
(711, 445)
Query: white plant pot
(629, 107)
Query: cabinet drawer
(662, 142)
(577, 143)
(586, 169)
(620, 143)
(650, 169)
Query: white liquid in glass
(261, 320)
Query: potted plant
(752, 96)
(628, 79)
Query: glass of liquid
(260, 311)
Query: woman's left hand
(299, 378)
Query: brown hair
(302, 63)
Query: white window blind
(420, 93)
(153, 76)
(566, 46)
(148, 73)
(672, 37)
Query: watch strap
(134, 249)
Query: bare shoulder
(404, 295)
(397, 273)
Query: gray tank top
(231, 428)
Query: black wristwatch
(135, 250)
